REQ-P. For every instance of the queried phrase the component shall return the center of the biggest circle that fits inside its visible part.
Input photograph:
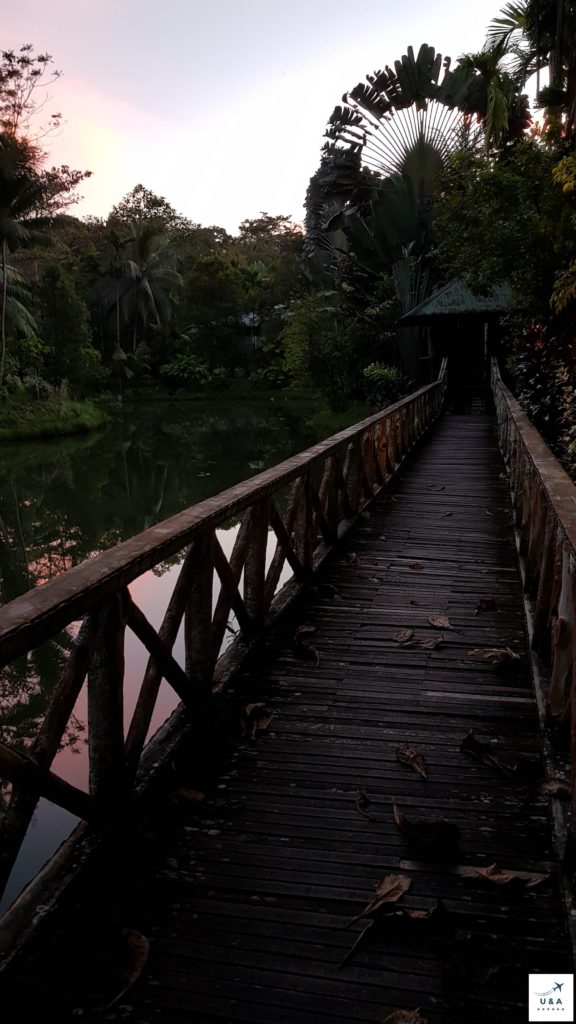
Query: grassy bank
(21, 420)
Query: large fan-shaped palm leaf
(398, 113)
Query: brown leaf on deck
(435, 920)
(483, 753)
(362, 802)
(432, 644)
(499, 657)
(303, 631)
(387, 891)
(497, 876)
(403, 636)
(426, 833)
(135, 948)
(405, 1017)
(558, 787)
(362, 937)
(416, 566)
(254, 718)
(192, 796)
(410, 757)
(304, 650)
(440, 621)
(352, 558)
(433, 923)
(555, 787)
(485, 604)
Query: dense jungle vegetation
(431, 170)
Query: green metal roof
(454, 299)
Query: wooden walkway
(246, 897)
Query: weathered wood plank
(250, 899)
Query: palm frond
(512, 20)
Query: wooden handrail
(331, 484)
(544, 504)
(39, 614)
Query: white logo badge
(550, 997)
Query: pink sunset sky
(219, 105)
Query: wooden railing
(329, 486)
(544, 504)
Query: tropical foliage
(431, 169)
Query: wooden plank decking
(247, 896)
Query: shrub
(384, 384)
(187, 370)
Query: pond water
(64, 501)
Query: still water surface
(64, 501)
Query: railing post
(255, 567)
(198, 616)
(328, 494)
(107, 762)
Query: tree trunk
(3, 313)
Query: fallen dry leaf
(488, 513)
(135, 949)
(405, 1017)
(483, 753)
(440, 621)
(426, 833)
(431, 924)
(358, 942)
(352, 558)
(498, 876)
(416, 566)
(362, 802)
(485, 604)
(403, 636)
(446, 514)
(254, 718)
(555, 787)
(387, 891)
(435, 920)
(304, 650)
(303, 631)
(499, 657)
(412, 759)
(193, 796)
(432, 644)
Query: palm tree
(21, 193)
(539, 34)
(387, 146)
(140, 280)
(255, 277)
(497, 89)
(115, 268)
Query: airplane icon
(558, 986)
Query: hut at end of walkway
(464, 327)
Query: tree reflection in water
(64, 501)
